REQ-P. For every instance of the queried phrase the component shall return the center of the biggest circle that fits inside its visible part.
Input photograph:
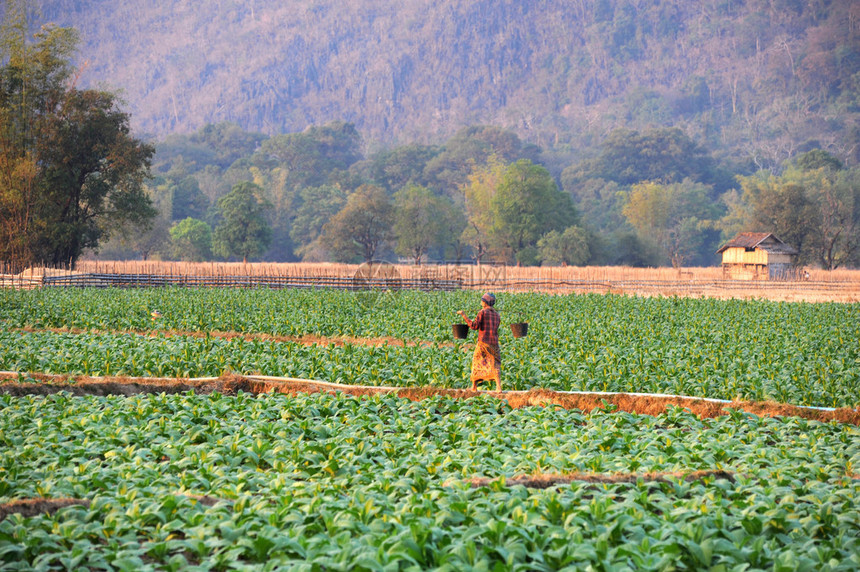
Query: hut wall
(741, 256)
(780, 271)
(745, 271)
(780, 259)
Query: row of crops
(802, 354)
(326, 482)
(330, 482)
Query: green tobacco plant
(802, 354)
(240, 481)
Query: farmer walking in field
(487, 359)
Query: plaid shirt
(487, 323)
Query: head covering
(488, 298)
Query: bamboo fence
(840, 285)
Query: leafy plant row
(330, 482)
(525, 366)
(428, 315)
(805, 354)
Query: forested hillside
(550, 132)
(757, 80)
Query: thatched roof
(765, 240)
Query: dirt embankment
(550, 480)
(232, 384)
(37, 506)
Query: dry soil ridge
(46, 384)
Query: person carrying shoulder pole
(487, 359)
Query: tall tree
(187, 199)
(244, 230)
(527, 205)
(149, 239)
(478, 193)
(318, 205)
(835, 193)
(395, 168)
(475, 145)
(283, 200)
(565, 248)
(599, 202)
(93, 176)
(419, 222)
(453, 220)
(191, 240)
(782, 207)
(142, 241)
(227, 141)
(838, 237)
(666, 155)
(70, 172)
(362, 227)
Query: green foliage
(318, 205)
(454, 223)
(398, 167)
(588, 343)
(70, 173)
(783, 208)
(218, 144)
(478, 191)
(244, 230)
(831, 198)
(567, 248)
(187, 201)
(626, 248)
(526, 205)
(677, 217)
(362, 227)
(312, 155)
(818, 159)
(179, 480)
(277, 481)
(420, 219)
(191, 240)
(599, 201)
(667, 155)
(93, 176)
(142, 241)
(472, 146)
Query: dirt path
(232, 384)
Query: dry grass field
(590, 273)
(822, 286)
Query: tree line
(646, 198)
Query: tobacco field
(803, 354)
(332, 482)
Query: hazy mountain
(759, 79)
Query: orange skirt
(486, 363)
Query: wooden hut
(757, 256)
